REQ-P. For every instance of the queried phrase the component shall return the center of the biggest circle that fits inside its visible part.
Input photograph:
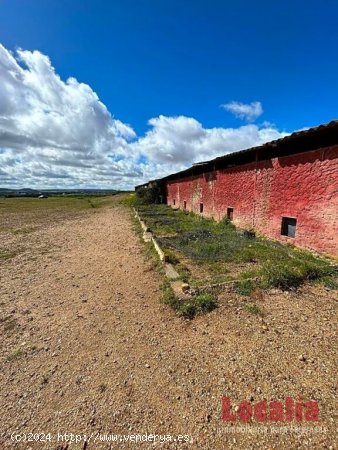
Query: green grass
(221, 252)
(15, 355)
(190, 307)
(163, 220)
(244, 287)
(148, 247)
(128, 199)
(170, 256)
(330, 282)
(253, 309)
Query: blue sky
(152, 59)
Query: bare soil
(87, 347)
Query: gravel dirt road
(86, 347)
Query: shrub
(148, 195)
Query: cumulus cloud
(245, 111)
(183, 140)
(56, 133)
(51, 128)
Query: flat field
(87, 347)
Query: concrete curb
(158, 249)
(169, 270)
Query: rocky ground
(86, 347)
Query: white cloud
(56, 133)
(245, 111)
(182, 140)
(53, 129)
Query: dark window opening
(289, 226)
(230, 213)
(174, 202)
(185, 205)
(201, 207)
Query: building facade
(285, 190)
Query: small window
(185, 204)
(201, 207)
(174, 201)
(289, 226)
(230, 213)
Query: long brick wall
(303, 186)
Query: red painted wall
(303, 186)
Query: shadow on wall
(327, 154)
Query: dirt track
(87, 347)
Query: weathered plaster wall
(303, 186)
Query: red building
(285, 189)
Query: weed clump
(168, 297)
(205, 303)
(15, 355)
(244, 287)
(253, 309)
(170, 257)
(200, 304)
(188, 308)
(330, 282)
